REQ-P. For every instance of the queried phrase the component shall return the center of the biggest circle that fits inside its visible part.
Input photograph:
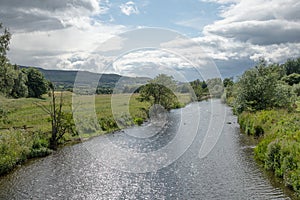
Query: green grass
(279, 146)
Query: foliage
(279, 148)
(199, 88)
(160, 91)
(108, 124)
(13, 149)
(259, 88)
(284, 96)
(11, 78)
(61, 122)
(23, 113)
(18, 145)
(7, 76)
(292, 79)
(265, 97)
(296, 89)
(139, 121)
(15, 82)
(228, 82)
(3, 115)
(36, 83)
(20, 88)
(292, 66)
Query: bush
(18, 145)
(108, 124)
(296, 89)
(139, 121)
(14, 148)
(279, 148)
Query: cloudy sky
(146, 37)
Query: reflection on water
(228, 172)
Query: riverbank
(279, 147)
(25, 127)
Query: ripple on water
(228, 172)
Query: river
(196, 152)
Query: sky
(183, 38)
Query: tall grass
(279, 147)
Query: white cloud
(47, 34)
(129, 8)
(24, 16)
(253, 29)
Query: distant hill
(65, 79)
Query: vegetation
(160, 91)
(61, 122)
(26, 129)
(200, 89)
(267, 99)
(15, 82)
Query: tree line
(16, 82)
(265, 86)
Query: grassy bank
(25, 127)
(279, 146)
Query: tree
(292, 66)
(7, 76)
(160, 91)
(7, 73)
(292, 79)
(200, 88)
(4, 41)
(20, 88)
(227, 82)
(61, 122)
(36, 83)
(259, 88)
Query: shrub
(14, 148)
(108, 124)
(296, 89)
(139, 121)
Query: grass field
(27, 112)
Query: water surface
(90, 170)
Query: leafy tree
(20, 88)
(292, 79)
(36, 83)
(160, 91)
(259, 89)
(61, 122)
(296, 89)
(200, 88)
(12, 80)
(4, 41)
(283, 95)
(7, 77)
(227, 82)
(292, 66)
(7, 74)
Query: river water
(196, 152)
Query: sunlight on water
(227, 172)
